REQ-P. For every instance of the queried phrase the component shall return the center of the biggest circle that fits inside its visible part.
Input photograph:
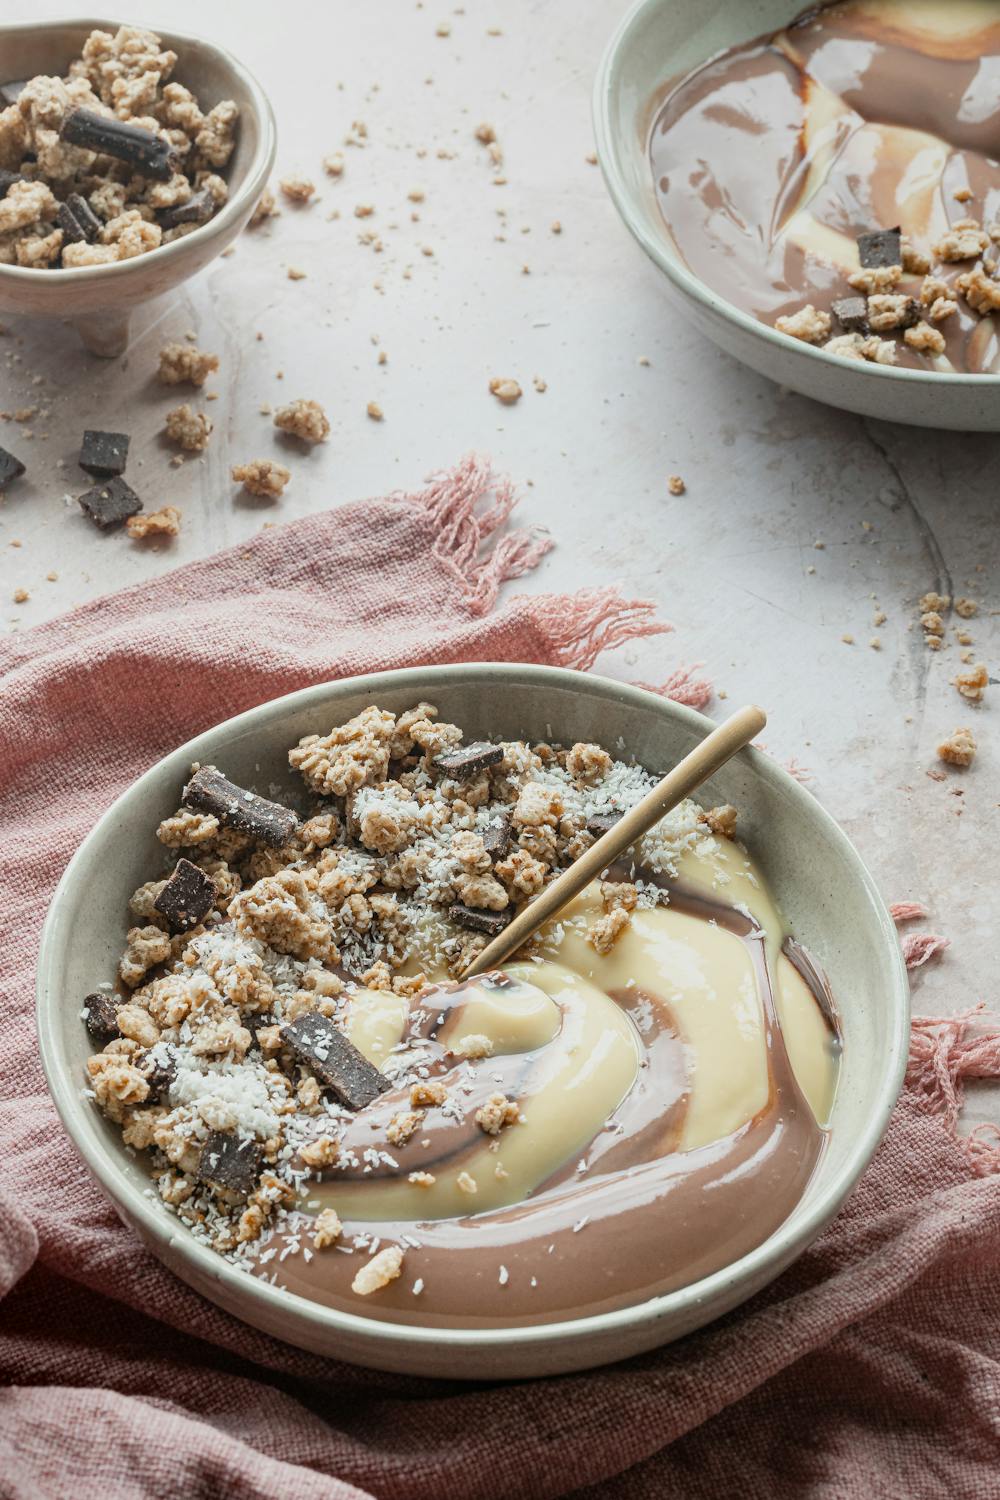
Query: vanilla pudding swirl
(772, 157)
(673, 1097)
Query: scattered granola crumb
(959, 748)
(416, 195)
(262, 476)
(967, 608)
(165, 522)
(379, 1271)
(808, 324)
(298, 188)
(267, 208)
(541, 386)
(422, 1179)
(328, 1229)
(972, 684)
(190, 428)
(964, 241)
(925, 339)
(363, 210)
(497, 1112)
(848, 640)
(485, 133)
(506, 391)
(333, 165)
(21, 596)
(303, 419)
(465, 1183)
(676, 485)
(556, 227)
(296, 273)
(474, 1045)
(443, 28)
(375, 411)
(963, 194)
(184, 364)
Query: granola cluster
(892, 302)
(245, 954)
(73, 204)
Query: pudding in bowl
(823, 889)
(839, 180)
(640, 1100)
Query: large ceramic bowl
(658, 40)
(99, 300)
(827, 894)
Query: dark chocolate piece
(159, 1068)
(337, 1063)
(104, 454)
(496, 836)
(229, 1163)
(7, 179)
(478, 919)
(197, 210)
(601, 823)
(101, 1015)
(10, 468)
(468, 760)
(150, 154)
(882, 247)
(188, 896)
(84, 215)
(851, 313)
(268, 822)
(11, 92)
(70, 225)
(110, 504)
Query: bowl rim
(609, 155)
(253, 185)
(158, 1226)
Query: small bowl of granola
(255, 1019)
(821, 191)
(128, 161)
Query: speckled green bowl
(825, 891)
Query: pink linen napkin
(872, 1366)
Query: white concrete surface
(734, 563)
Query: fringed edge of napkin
(944, 1052)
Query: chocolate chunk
(197, 210)
(478, 919)
(70, 225)
(158, 1066)
(11, 92)
(150, 154)
(10, 468)
(188, 896)
(882, 247)
(496, 836)
(602, 823)
(110, 504)
(84, 216)
(268, 822)
(104, 454)
(101, 1015)
(851, 313)
(229, 1163)
(7, 180)
(337, 1063)
(467, 760)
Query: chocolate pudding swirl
(771, 158)
(671, 1093)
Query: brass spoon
(697, 766)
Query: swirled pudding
(636, 1102)
(840, 180)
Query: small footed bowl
(658, 40)
(98, 300)
(820, 883)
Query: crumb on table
(262, 476)
(185, 364)
(165, 522)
